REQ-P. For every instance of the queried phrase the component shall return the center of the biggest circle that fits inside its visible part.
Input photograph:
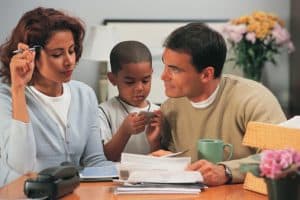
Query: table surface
(105, 190)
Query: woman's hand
(22, 66)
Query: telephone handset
(53, 182)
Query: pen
(175, 154)
(30, 49)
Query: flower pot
(283, 189)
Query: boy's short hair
(128, 52)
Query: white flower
(235, 32)
(280, 34)
(251, 36)
(290, 47)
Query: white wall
(93, 12)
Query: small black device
(53, 182)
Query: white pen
(30, 49)
(174, 154)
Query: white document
(294, 122)
(146, 162)
(137, 168)
(160, 188)
(175, 154)
(156, 176)
(156, 190)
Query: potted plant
(254, 40)
(280, 170)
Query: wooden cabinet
(294, 104)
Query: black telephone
(53, 182)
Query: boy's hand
(148, 115)
(133, 124)
(153, 130)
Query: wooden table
(105, 190)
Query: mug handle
(230, 150)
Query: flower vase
(283, 189)
(253, 71)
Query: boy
(126, 122)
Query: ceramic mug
(213, 150)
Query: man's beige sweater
(237, 102)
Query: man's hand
(160, 152)
(213, 175)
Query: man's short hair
(206, 46)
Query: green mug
(213, 150)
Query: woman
(46, 119)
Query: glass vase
(253, 71)
(283, 189)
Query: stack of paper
(164, 176)
(159, 188)
(137, 162)
(151, 175)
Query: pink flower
(296, 158)
(251, 37)
(275, 162)
(290, 47)
(280, 34)
(234, 32)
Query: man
(205, 104)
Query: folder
(103, 173)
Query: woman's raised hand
(22, 66)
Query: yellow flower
(241, 20)
(259, 22)
(253, 27)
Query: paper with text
(155, 176)
(147, 168)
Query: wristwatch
(228, 173)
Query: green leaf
(273, 61)
(256, 157)
(250, 167)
